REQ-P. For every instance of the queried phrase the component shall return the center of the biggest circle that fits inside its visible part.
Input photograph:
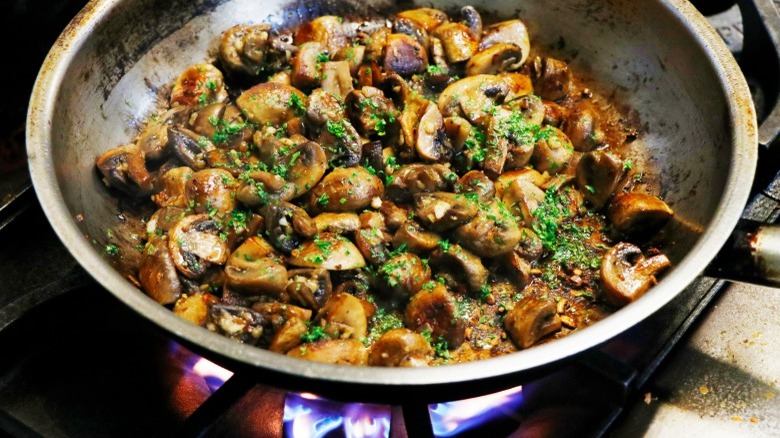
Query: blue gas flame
(306, 415)
(452, 418)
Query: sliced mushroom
(495, 59)
(164, 219)
(327, 30)
(638, 215)
(507, 32)
(345, 190)
(438, 77)
(195, 245)
(372, 242)
(353, 55)
(461, 264)
(583, 128)
(518, 269)
(211, 191)
(157, 272)
(394, 215)
(343, 317)
(307, 65)
(337, 223)
(404, 55)
(171, 186)
(324, 107)
(335, 351)
(261, 188)
(406, 26)
(520, 84)
(237, 323)
(400, 348)
(371, 112)
(626, 274)
(472, 19)
(153, 140)
(199, 85)
(428, 18)
(195, 308)
(242, 48)
(272, 103)
(493, 231)
(416, 240)
(310, 288)
(405, 274)
(522, 198)
(288, 336)
(306, 163)
(473, 97)
(336, 78)
(553, 150)
(260, 276)
(478, 183)
(328, 251)
(124, 168)
(432, 142)
(375, 49)
(530, 320)
(551, 78)
(341, 143)
(419, 178)
(435, 310)
(189, 147)
(458, 41)
(441, 211)
(530, 246)
(206, 119)
(287, 225)
(598, 175)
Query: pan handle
(760, 60)
(751, 255)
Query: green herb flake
(112, 250)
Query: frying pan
(109, 69)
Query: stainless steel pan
(661, 58)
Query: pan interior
(642, 54)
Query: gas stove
(76, 362)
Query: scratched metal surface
(724, 380)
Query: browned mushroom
(345, 190)
(598, 175)
(372, 242)
(261, 276)
(530, 320)
(327, 30)
(328, 251)
(288, 336)
(199, 85)
(335, 351)
(124, 168)
(164, 219)
(336, 78)
(493, 231)
(507, 32)
(153, 140)
(418, 178)
(338, 223)
(405, 274)
(522, 197)
(353, 55)
(195, 245)
(553, 150)
(206, 119)
(458, 41)
(461, 264)
(303, 165)
(371, 112)
(495, 59)
(582, 127)
(626, 274)
(435, 310)
(310, 288)
(157, 272)
(412, 237)
(341, 143)
(530, 246)
(195, 308)
(272, 103)
(189, 147)
(287, 225)
(551, 78)
(404, 55)
(307, 65)
(211, 191)
(324, 107)
(171, 186)
(472, 19)
(343, 317)
(406, 26)
(638, 215)
(477, 182)
(432, 142)
(400, 348)
(260, 188)
(242, 48)
(473, 98)
(441, 211)
(428, 18)
(237, 323)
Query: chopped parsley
(297, 105)
(337, 129)
(444, 245)
(112, 250)
(435, 70)
(382, 322)
(315, 333)
(323, 57)
(628, 164)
